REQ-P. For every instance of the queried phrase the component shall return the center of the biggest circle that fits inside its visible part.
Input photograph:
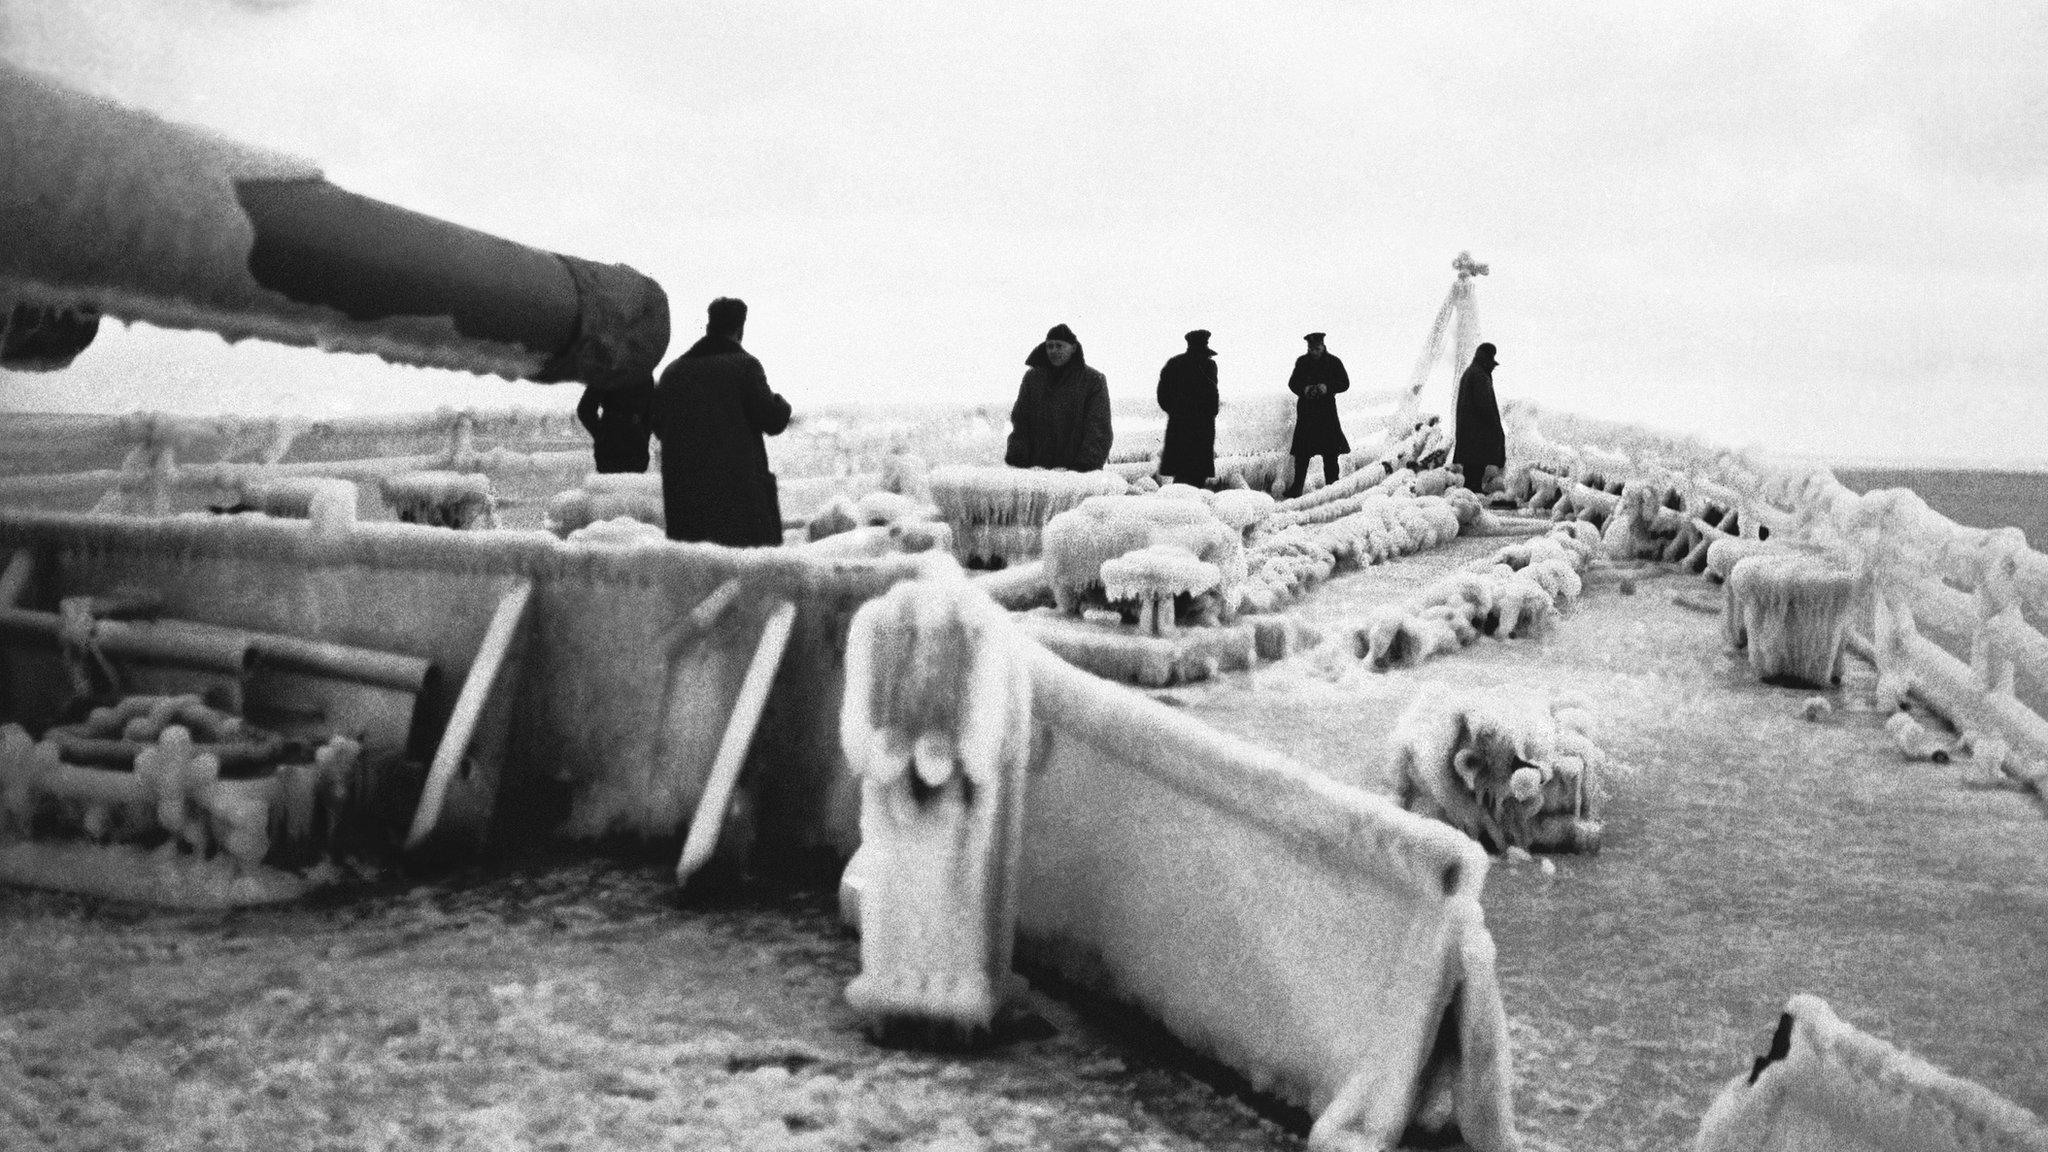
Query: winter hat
(1063, 334)
(1315, 337)
(1483, 354)
(725, 314)
(1199, 337)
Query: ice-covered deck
(1750, 854)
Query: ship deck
(1749, 854)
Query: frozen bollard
(1791, 611)
(936, 722)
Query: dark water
(1976, 497)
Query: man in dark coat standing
(1480, 442)
(1061, 417)
(1318, 377)
(1187, 391)
(711, 409)
(618, 422)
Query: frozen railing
(168, 464)
(156, 463)
(1980, 590)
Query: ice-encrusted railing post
(149, 472)
(1997, 600)
(937, 724)
(462, 442)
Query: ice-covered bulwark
(1827, 1087)
(1309, 934)
(602, 648)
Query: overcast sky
(1821, 228)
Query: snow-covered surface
(569, 1005)
(1748, 850)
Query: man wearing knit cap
(1061, 417)
(1318, 377)
(1187, 392)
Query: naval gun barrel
(113, 211)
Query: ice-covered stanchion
(442, 499)
(937, 724)
(1825, 1084)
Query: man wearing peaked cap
(1318, 377)
(1187, 393)
(1061, 417)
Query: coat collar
(713, 345)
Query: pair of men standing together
(1187, 392)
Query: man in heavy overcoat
(1061, 417)
(1480, 442)
(711, 409)
(1318, 377)
(617, 420)
(1187, 392)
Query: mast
(1458, 317)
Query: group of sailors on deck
(713, 405)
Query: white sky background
(1821, 229)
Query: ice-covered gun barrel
(114, 211)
